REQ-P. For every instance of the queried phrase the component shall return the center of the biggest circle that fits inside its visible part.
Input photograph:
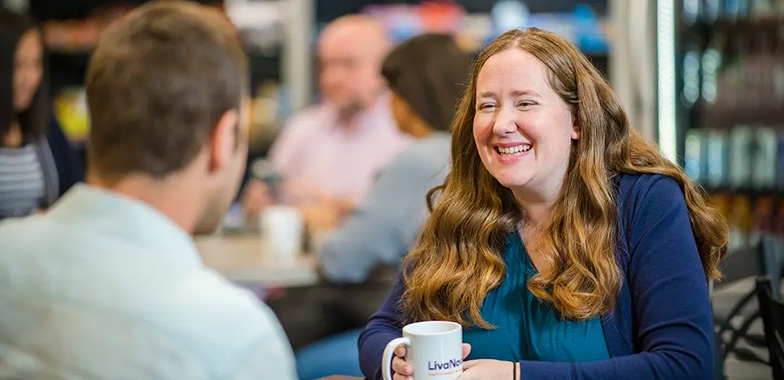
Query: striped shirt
(22, 186)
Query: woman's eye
(525, 104)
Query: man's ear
(224, 140)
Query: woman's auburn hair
(458, 258)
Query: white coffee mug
(434, 349)
(281, 231)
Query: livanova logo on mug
(434, 349)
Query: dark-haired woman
(37, 164)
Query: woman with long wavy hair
(565, 244)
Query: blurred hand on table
(320, 212)
(255, 197)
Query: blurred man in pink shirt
(329, 154)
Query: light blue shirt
(106, 287)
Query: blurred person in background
(426, 75)
(563, 242)
(329, 154)
(37, 164)
(108, 284)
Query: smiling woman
(565, 244)
(523, 130)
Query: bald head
(350, 52)
(359, 30)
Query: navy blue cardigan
(661, 327)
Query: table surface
(244, 259)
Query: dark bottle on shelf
(767, 63)
(730, 80)
(739, 222)
(778, 226)
(747, 98)
(777, 66)
(756, 72)
(762, 221)
(721, 201)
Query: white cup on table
(281, 231)
(433, 348)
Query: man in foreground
(108, 284)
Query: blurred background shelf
(280, 36)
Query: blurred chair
(735, 306)
(771, 309)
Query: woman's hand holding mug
(428, 350)
(404, 371)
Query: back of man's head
(158, 83)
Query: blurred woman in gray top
(426, 75)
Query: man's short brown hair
(157, 84)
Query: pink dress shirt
(319, 155)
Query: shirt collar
(126, 220)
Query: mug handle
(386, 370)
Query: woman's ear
(575, 127)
